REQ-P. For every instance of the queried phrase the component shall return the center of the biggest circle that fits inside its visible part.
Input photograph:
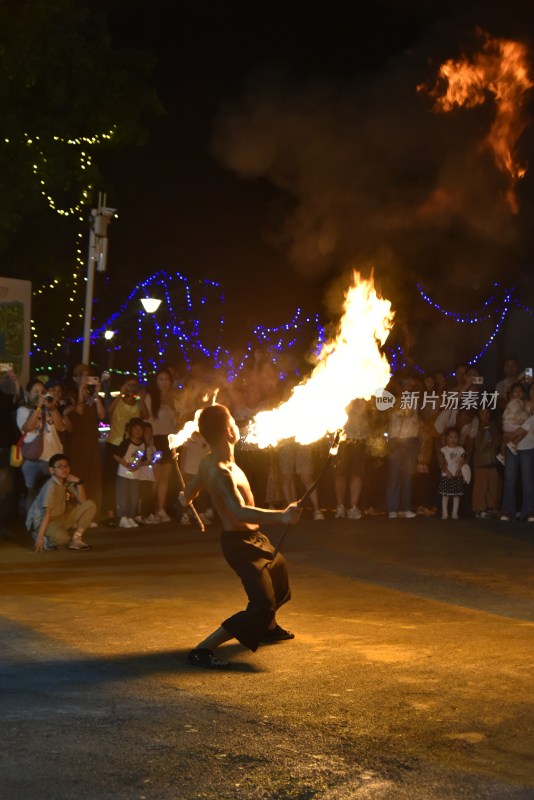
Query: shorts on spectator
(351, 458)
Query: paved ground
(411, 675)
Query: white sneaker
(162, 516)
(444, 516)
(77, 543)
(185, 519)
(408, 514)
(150, 520)
(354, 513)
(454, 516)
(139, 519)
(133, 523)
(392, 515)
(340, 512)
(318, 515)
(124, 522)
(204, 518)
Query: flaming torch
(176, 440)
(501, 69)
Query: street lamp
(108, 336)
(150, 304)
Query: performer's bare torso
(216, 475)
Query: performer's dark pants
(265, 581)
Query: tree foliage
(62, 80)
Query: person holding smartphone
(39, 415)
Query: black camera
(90, 384)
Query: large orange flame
(191, 426)
(349, 366)
(500, 69)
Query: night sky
(294, 145)
(188, 207)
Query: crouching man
(60, 508)
(246, 549)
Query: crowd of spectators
(426, 446)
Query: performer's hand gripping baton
(331, 453)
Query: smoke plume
(372, 175)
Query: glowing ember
(500, 69)
(350, 366)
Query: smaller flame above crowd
(501, 69)
(350, 366)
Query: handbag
(15, 454)
(31, 451)
(466, 473)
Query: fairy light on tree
(68, 90)
(77, 210)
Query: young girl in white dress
(451, 483)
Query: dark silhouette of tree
(65, 87)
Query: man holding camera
(41, 423)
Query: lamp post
(150, 306)
(96, 259)
(108, 336)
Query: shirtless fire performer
(247, 550)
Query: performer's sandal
(202, 657)
(277, 634)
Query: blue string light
(474, 317)
(501, 313)
(522, 307)
(181, 327)
(471, 318)
(506, 307)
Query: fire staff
(246, 549)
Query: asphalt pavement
(411, 674)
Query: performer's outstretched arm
(233, 500)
